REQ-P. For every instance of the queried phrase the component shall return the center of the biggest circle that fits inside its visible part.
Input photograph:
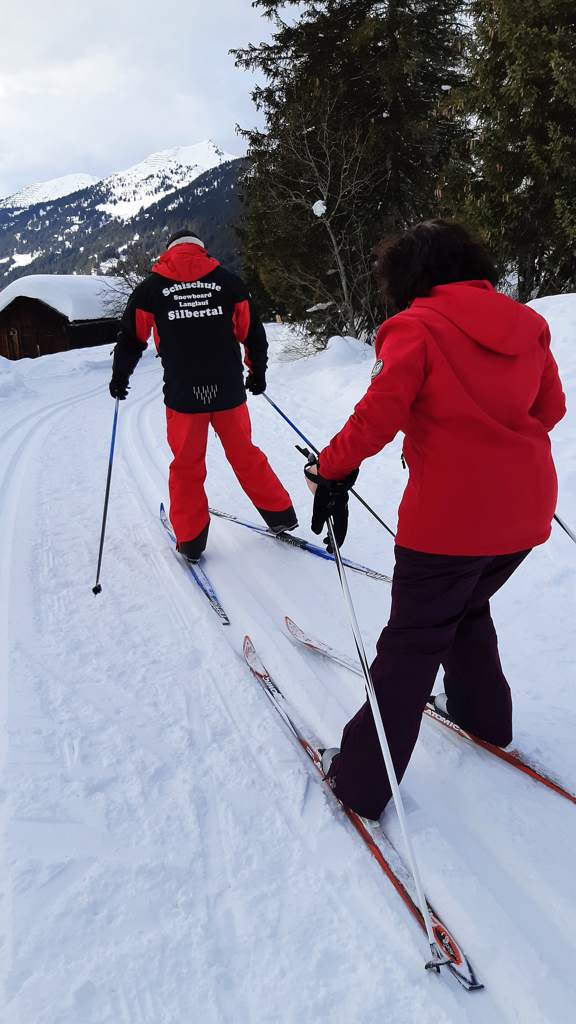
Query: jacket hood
(489, 318)
(185, 262)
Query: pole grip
(316, 452)
(306, 454)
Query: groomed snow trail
(169, 857)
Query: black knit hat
(186, 234)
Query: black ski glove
(256, 383)
(331, 500)
(119, 386)
(127, 355)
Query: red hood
(485, 315)
(185, 262)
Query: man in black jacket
(199, 314)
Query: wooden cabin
(45, 313)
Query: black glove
(331, 501)
(256, 383)
(127, 354)
(119, 386)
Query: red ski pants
(188, 437)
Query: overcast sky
(95, 87)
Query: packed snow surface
(47, 191)
(76, 296)
(168, 856)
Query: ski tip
(253, 660)
(248, 647)
(465, 976)
(293, 630)
(452, 956)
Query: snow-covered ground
(167, 856)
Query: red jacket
(468, 376)
(199, 313)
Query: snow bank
(346, 351)
(8, 377)
(560, 312)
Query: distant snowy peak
(86, 231)
(202, 156)
(46, 191)
(127, 192)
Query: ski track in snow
(169, 856)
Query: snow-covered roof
(76, 296)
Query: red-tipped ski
(319, 647)
(516, 760)
(456, 960)
(512, 758)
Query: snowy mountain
(85, 229)
(46, 191)
(128, 192)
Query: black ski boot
(280, 522)
(327, 755)
(194, 549)
(440, 704)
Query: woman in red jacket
(467, 375)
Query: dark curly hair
(410, 264)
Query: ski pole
(97, 588)
(566, 528)
(315, 450)
(438, 959)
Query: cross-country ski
(197, 573)
(511, 757)
(375, 841)
(302, 545)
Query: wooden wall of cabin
(93, 332)
(28, 328)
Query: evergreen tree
(522, 104)
(357, 139)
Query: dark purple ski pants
(440, 615)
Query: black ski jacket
(199, 314)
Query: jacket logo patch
(376, 368)
(205, 393)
